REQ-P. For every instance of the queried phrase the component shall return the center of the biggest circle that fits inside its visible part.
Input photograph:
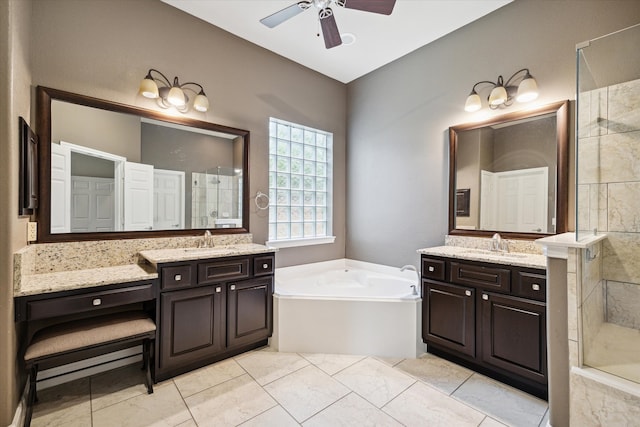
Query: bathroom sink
(214, 250)
(493, 253)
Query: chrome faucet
(498, 245)
(408, 267)
(207, 240)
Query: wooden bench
(73, 341)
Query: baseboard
(18, 417)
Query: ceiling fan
(325, 14)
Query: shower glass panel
(216, 201)
(608, 200)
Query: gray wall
(107, 131)
(15, 78)
(398, 115)
(104, 49)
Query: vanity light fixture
(172, 95)
(502, 94)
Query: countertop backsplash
(522, 246)
(67, 256)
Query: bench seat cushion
(90, 332)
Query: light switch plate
(32, 231)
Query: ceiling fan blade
(384, 7)
(286, 13)
(329, 28)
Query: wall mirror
(112, 171)
(510, 174)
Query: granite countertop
(482, 255)
(77, 279)
(158, 256)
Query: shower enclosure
(215, 198)
(608, 202)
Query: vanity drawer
(433, 268)
(263, 265)
(176, 277)
(530, 285)
(60, 306)
(219, 271)
(497, 279)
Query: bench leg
(32, 397)
(146, 357)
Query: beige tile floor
(268, 388)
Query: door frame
(118, 177)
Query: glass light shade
(176, 97)
(498, 96)
(201, 103)
(473, 103)
(148, 88)
(527, 90)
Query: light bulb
(498, 96)
(473, 103)
(148, 88)
(527, 90)
(176, 97)
(201, 103)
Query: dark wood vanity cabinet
(191, 324)
(249, 311)
(449, 316)
(212, 309)
(513, 335)
(489, 317)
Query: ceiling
(379, 39)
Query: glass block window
(300, 181)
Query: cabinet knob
(535, 287)
(467, 293)
(431, 268)
(265, 266)
(232, 287)
(485, 297)
(177, 277)
(96, 301)
(218, 289)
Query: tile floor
(268, 388)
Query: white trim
(300, 242)
(92, 152)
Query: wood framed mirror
(114, 171)
(512, 174)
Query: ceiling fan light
(176, 97)
(148, 87)
(201, 102)
(498, 96)
(527, 90)
(473, 102)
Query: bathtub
(347, 307)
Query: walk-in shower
(608, 201)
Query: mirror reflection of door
(84, 193)
(168, 199)
(514, 200)
(138, 196)
(60, 189)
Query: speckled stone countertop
(78, 279)
(483, 255)
(158, 256)
(54, 267)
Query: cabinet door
(449, 316)
(192, 324)
(514, 335)
(249, 311)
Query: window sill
(300, 242)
